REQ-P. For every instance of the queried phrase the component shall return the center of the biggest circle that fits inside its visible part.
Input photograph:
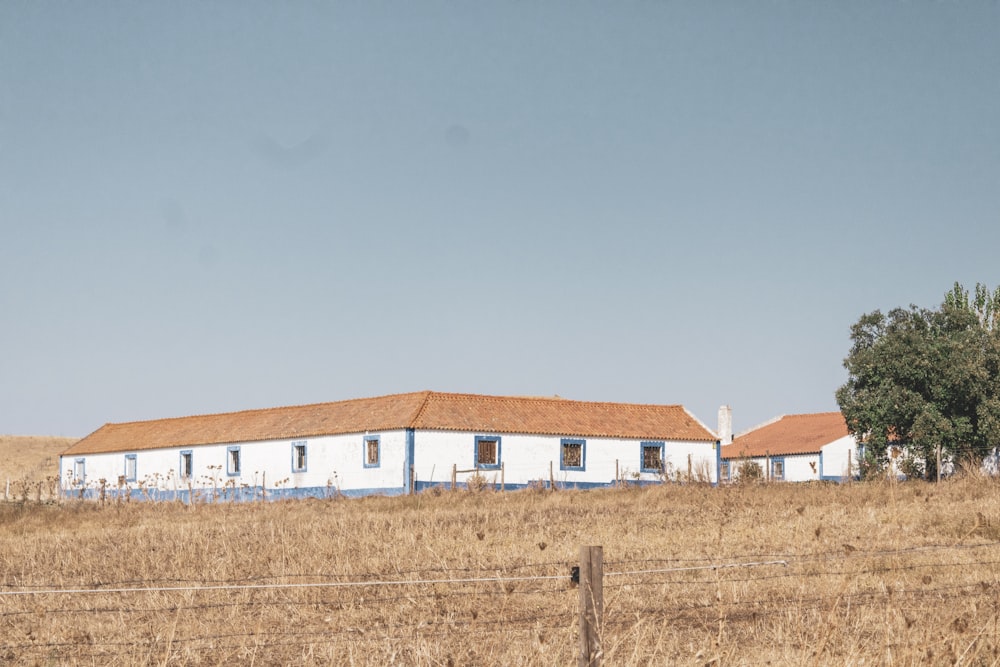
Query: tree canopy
(924, 379)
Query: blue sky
(219, 206)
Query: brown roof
(425, 410)
(791, 434)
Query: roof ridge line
(227, 413)
(815, 414)
(415, 419)
(559, 399)
(772, 420)
(698, 421)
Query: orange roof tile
(791, 434)
(425, 410)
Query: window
(652, 457)
(187, 464)
(233, 461)
(572, 455)
(777, 469)
(130, 467)
(79, 471)
(724, 474)
(298, 457)
(372, 451)
(487, 451)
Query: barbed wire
(357, 578)
(300, 575)
(336, 605)
(284, 586)
(835, 553)
(443, 622)
(753, 611)
(696, 568)
(324, 634)
(794, 573)
(99, 588)
(430, 628)
(731, 611)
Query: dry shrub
(477, 483)
(865, 579)
(750, 472)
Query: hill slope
(30, 457)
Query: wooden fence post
(454, 475)
(591, 605)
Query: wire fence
(317, 616)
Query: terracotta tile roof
(557, 416)
(425, 410)
(791, 434)
(355, 416)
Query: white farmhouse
(393, 444)
(792, 448)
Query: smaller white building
(792, 448)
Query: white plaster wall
(801, 467)
(703, 459)
(991, 463)
(798, 467)
(839, 457)
(96, 466)
(336, 462)
(524, 458)
(339, 461)
(527, 458)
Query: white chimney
(725, 432)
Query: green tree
(924, 379)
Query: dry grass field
(870, 574)
(29, 465)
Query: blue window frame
(79, 471)
(130, 467)
(778, 469)
(373, 451)
(233, 462)
(651, 457)
(724, 472)
(572, 454)
(299, 458)
(487, 454)
(186, 465)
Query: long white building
(392, 444)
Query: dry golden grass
(29, 464)
(875, 574)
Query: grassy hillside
(782, 574)
(29, 459)
(31, 456)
